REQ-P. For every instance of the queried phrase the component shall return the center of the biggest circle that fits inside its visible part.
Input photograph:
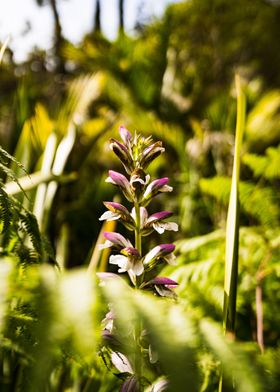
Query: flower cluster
(136, 153)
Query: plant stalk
(138, 328)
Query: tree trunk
(121, 16)
(97, 24)
(58, 38)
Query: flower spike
(136, 152)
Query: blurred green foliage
(173, 80)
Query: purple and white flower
(156, 222)
(117, 211)
(162, 281)
(122, 182)
(161, 286)
(116, 240)
(129, 261)
(160, 252)
(155, 187)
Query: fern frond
(5, 154)
(5, 211)
(47, 247)
(31, 228)
(186, 246)
(26, 255)
(259, 203)
(267, 166)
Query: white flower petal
(109, 216)
(166, 188)
(121, 363)
(148, 190)
(107, 244)
(122, 261)
(143, 216)
(109, 179)
(138, 268)
(172, 226)
(159, 227)
(151, 255)
(133, 213)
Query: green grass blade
(232, 229)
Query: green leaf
(232, 229)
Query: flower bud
(121, 181)
(123, 154)
(150, 153)
(131, 384)
(125, 135)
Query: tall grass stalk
(232, 229)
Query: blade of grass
(232, 229)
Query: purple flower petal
(116, 207)
(125, 135)
(163, 281)
(166, 248)
(156, 186)
(121, 181)
(117, 239)
(160, 216)
(130, 385)
(118, 179)
(158, 251)
(130, 252)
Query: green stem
(138, 327)
(137, 231)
